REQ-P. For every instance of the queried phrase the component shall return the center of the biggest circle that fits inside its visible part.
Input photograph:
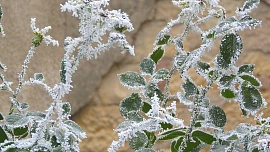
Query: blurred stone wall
(97, 91)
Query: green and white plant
(36, 131)
(150, 113)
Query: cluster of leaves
(150, 118)
(23, 130)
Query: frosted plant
(35, 131)
(150, 113)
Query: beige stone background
(97, 91)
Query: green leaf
(166, 126)
(146, 107)
(192, 145)
(58, 137)
(139, 141)
(3, 135)
(176, 144)
(171, 134)
(39, 77)
(226, 81)
(160, 75)
(255, 150)
(145, 150)
(189, 88)
(151, 89)
(21, 131)
(157, 54)
(120, 29)
(230, 48)
(75, 128)
(164, 40)
(251, 98)
(227, 93)
(204, 137)
(254, 81)
(1, 116)
(66, 108)
(211, 35)
(130, 104)
(16, 120)
(132, 80)
(147, 66)
(246, 68)
(63, 71)
(37, 39)
(217, 116)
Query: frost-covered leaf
(246, 68)
(202, 67)
(251, 79)
(63, 71)
(248, 21)
(220, 62)
(1, 116)
(230, 48)
(134, 116)
(139, 141)
(58, 137)
(132, 80)
(179, 60)
(39, 77)
(164, 40)
(222, 27)
(147, 66)
(2, 66)
(66, 108)
(220, 146)
(227, 93)
(171, 134)
(226, 81)
(40, 148)
(124, 124)
(249, 5)
(36, 115)
(3, 135)
(75, 128)
(151, 89)
(203, 136)
(189, 88)
(151, 138)
(146, 107)
(16, 120)
(251, 97)
(160, 75)
(217, 116)
(23, 106)
(145, 150)
(176, 144)
(157, 54)
(130, 104)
